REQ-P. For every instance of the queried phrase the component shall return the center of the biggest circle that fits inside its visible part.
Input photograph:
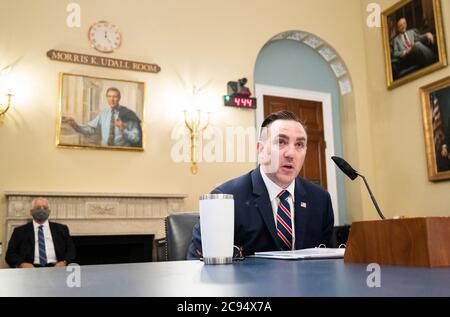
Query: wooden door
(310, 113)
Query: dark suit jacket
(21, 245)
(255, 229)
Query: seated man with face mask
(40, 243)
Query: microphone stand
(373, 197)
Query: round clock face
(104, 37)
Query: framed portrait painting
(436, 121)
(100, 113)
(413, 40)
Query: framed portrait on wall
(413, 40)
(101, 113)
(436, 121)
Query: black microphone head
(345, 167)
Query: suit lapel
(262, 202)
(30, 233)
(54, 234)
(302, 208)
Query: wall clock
(105, 37)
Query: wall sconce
(195, 128)
(5, 108)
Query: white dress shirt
(407, 40)
(273, 190)
(49, 246)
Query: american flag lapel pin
(303, 204)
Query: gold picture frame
(413, 39)
(100, 113)
(436, 121)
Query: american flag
(438, 133)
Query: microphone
(352, 174)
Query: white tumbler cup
(217, 228)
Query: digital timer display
(240, 101)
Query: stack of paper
(312, 253)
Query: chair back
(179, 234)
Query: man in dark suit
(40, 243)
(274, 208)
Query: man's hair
(280, 115)
(401, 18)
(113, 89)
(34, 201)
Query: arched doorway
(302, 66)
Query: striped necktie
(41, 242)
(407, 42)
(284, 222)
(112, 129)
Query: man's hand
(430, 38)
(26, 265)
(70, 121)
(444, 150)
(119, 124)
(60, 264)
(408, 50)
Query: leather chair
(179, 234)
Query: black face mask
(40, 214)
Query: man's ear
(261, 152)
(259, 147)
